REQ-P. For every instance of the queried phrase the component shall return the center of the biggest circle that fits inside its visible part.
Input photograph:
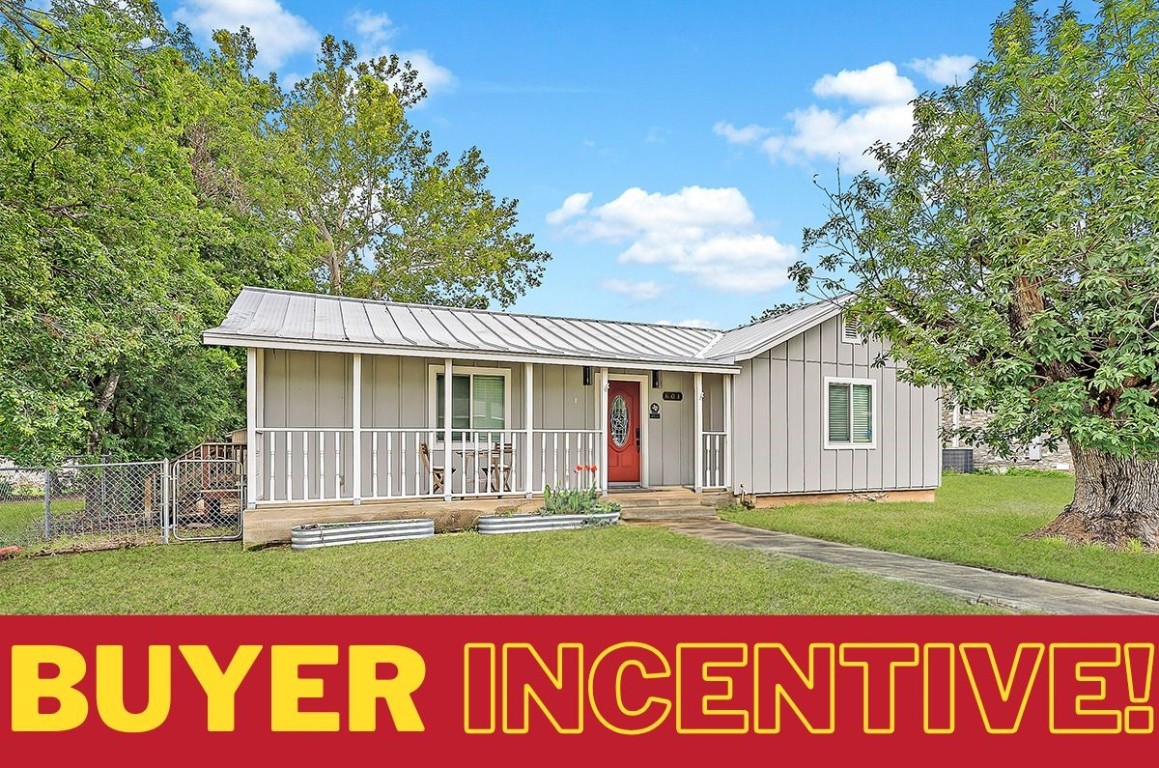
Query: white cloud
(879, 84)
(373, 28)
(878, 109)
(945, 70)
(837, 137)
(278, 33)
(574, 205)
(374, 33)
(749, 134)
(656, 135)
(643, 290)
(691, 211)
(710, 235)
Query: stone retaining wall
(984, 456)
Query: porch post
(251, 427)
(698, 387)
(529, 435)
(448, 371)
(602, 416)
(727, 379)
(356, 422)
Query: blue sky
(663, 152)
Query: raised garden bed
(337, 534)
(530, 523)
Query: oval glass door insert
(618, 421)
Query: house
(963, 456)
(347, 405)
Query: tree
(1007, 250)
(379, 213)
(104, 281)
(144, 180)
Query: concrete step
(660, 514)
(646, 501)
(666, 497)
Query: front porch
(331, 432)
(272, 523)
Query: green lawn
(976, 520)
(622, 569)
(17, 518)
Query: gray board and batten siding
(312, 390)
(779, 425)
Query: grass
(977, 520)
(18, 518)
(621, 569)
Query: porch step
(665, 504)
(658, 514)
(667, 497)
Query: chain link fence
(101, 504)
(23, 505)
(208, 495)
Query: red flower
(579, 467)
(592, 468)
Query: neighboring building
(347, 401)
(1034, 456)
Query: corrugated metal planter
(337, 534)
(531, 523)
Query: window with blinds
(478, 402)
(849, 414)
(487, 403)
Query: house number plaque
(676, 396)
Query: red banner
(952, 689)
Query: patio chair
(437, 474)
(498, 472)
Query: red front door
(623, 431)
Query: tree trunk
(104, 402)
(1116, 501)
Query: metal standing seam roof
(262, 317)
(748, 341)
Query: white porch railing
(713, 449)
(312, 465)
(393, 465)
(486, 463)
(302, 464)
(564, 458)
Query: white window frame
(846, 338)
(872, 444)
(433, 373)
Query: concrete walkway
(1020, 593)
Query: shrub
(575, 501)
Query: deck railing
(564, 457)
(714, 450)
(317, 464)
(296, 464)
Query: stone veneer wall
(984, 456)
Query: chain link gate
(207, 499)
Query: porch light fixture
(655, 379)
(587, 375)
